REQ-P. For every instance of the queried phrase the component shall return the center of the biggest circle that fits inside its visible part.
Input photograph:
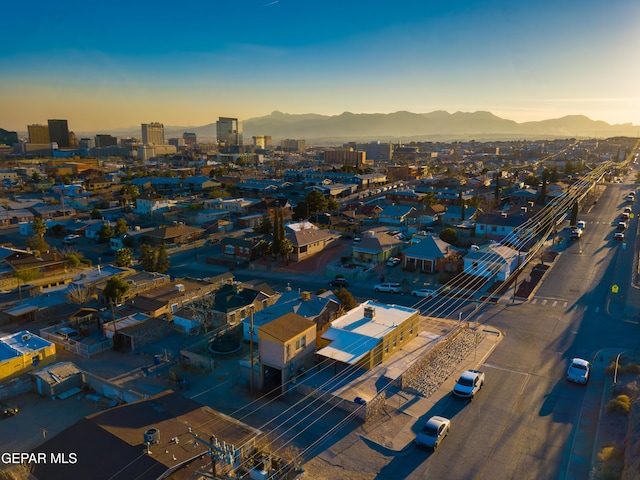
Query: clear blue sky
(104, 65)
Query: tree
(286, 247)
(146, 257)
(95, 214)
(162, 260)
(542, 198)
(121, 227)
(39, 227)
(105, 233)
(115, 289)
(462, 206)
(124, 257)
(263, 247)
(74, 260)
(37, 243)
(429, 198)
(347, 301)
(24, 276)
(449, 235)
(496, 193)
(265, 226)
(333, 205)
(316, 202)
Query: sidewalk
(395, 432)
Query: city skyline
(523, 61)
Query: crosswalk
(558, 303)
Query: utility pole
(251, 350)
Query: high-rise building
(289, 145)
(38, 133)
(103, 140)
(262, 141)
(153, 133)
(59, 133)
(87, 143)
(229, 131)
(190, 138)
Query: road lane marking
(519, 372)
(533, 302)
(586, 308)
(564, 305)
(544, 302)
(554, 303)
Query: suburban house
(244, 249)
(309, 241)
(269, 206)
(232, 303)
(375, 247)
(286, 346)
(199, 184)
(150, 203)
(368, 335)
(454, 215)
(319, 308)
(396, 214)
(500, 225)
(432, 255)
(173, 235)
(493, 261)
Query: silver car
(579, 371)
(433, 432)
(389, 287)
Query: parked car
(68, 333)
(627, 210)
(8, 410)
(469, 383)
(211, 241)
(618, 236)
(581, 224)
(576, 233)
(579, 371)
(424, 292)
(389, 287)
(339, 282)
(622, 226)
(625, 216)
(433, 432)
(393, 261)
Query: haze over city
(187, 64)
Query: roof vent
(369, 312)
(305, 296)
(152, 436)
(26, 337)
(504, 215)
(179, 287)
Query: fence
(80, 348)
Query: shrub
(619, 405)
(612, 461)
(632, 368)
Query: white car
(469, 383)
(618, 235)
(389, 287)
(579, 371)
(393, 261)
(424, 292)
(433, 432)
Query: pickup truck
(469, 383)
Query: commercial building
(38, 133)
(357, 159)
(153, 133)
(262, 141)
(190, 138)
(59, 133)
(289, 145)
(103, 140)
(229, 131)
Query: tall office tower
(59, 133)
(87, 143)
(153, 133)
(38, 133)
(103, 140)
(190, 138)
(229, 131)
(262, 141)
(73, 140)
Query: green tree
(124, 257)
(462, 206)
(37, 243)
(162, 260)
(24, 276)
(542, 198)
(35, 178)
(265, 226)
(105, 233)
(74, 260)
(286, 247)
(332, 205)
(39, 227)
(147, 259)
(115, 289)
(347, 302)
(121, 227)
(316, 202)
(449, 235)
(496, 193)
(263, 247)
(429, 198)
(95, 214)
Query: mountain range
(406, 126)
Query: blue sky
(118, 64)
